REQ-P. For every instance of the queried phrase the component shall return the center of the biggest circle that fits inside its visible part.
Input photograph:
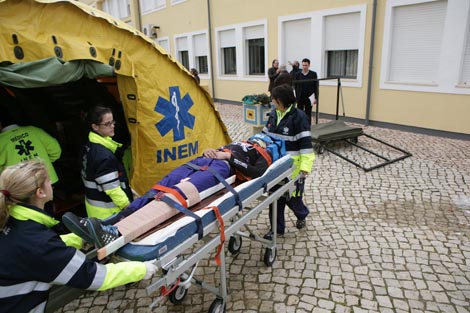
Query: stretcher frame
(350, 135)
(178, 270)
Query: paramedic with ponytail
(34, 256)
(107, 189)
(291, 124)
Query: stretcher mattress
(159, 243)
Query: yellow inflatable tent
(57, 56)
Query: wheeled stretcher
(172, 245)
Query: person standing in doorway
(306, 89)
(107, 189)
(273, 73)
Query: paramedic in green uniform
(23, 143)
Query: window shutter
(200, 45)
(296, 39)
(227, 38)
(182, 44)
(164, 44)
(254, 32)
(342, 31)
(417, 32)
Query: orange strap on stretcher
(173, 192)
(222, 233)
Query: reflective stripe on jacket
(34, 257)
(294, 129)
(106, 184)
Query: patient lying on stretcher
(245, 159)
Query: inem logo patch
(176, 114)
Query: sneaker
(102, 234)
(269, 235)
(77, 225)
(300, 223)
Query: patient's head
(261, 139)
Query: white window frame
(452, 49)
(159, 39)
(191, 50)
(112, 5)
(240, 47)
(176, 2)
(156, 7)
(317, 42)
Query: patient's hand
(216, 154)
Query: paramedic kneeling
(292, 125)
(34, 256)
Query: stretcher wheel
(177, 295)
(269, 256)
(235, 244)
(217, 306)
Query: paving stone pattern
(396, 239)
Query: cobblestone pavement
(395, 239)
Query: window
(117, 8)
(229, 60)
(201, 64)
(341, 44)
(183, 51)
(256, 56)
(342, 63)
(147, 6)
(417, 32)
(200, 53)
(296, 39)
(228, 51)
(241, 51)
(164, 43)
(254, 41)
(184, 58)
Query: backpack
(275, 146)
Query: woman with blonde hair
(34, 256)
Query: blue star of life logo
(176, 114)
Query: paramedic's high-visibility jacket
(22, 143)
(33, 257)
(107, 188)
(293, 127)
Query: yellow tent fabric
(171, 119)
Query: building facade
(402, 63)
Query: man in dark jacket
(306, 89)
(283, 78)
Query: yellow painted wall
(440, 111)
